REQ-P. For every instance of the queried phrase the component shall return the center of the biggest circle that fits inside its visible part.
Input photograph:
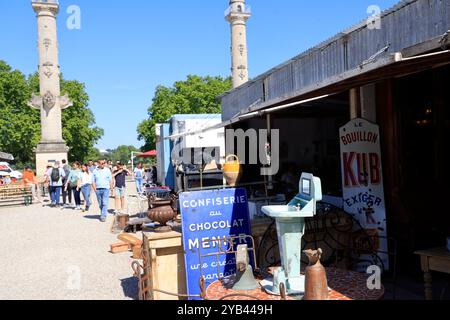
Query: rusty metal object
(316, 286)
(283, 291)
(162, 211)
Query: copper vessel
(161, 210)
(316, 285)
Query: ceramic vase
(231, 170)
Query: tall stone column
(237, 15)
(50, 102)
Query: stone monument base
(47, 153)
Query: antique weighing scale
(290, 222)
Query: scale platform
(297, 286)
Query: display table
(436, 259)
(344, 285)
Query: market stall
(195, 256)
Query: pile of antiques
(297, 231)
(197, 170)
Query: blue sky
(124, 49)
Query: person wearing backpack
(55, 178)
(72, 184)
(66, 193)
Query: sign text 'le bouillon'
(362, 182)
(208, 216)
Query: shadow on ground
(92, 217)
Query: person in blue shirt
(139, 177)
(102, 184)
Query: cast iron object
(316, 286)
(161, 210)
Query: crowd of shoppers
(77, 182)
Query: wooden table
(344, 285)
(436, 259)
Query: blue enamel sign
(208, 216)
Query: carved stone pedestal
(48, 153)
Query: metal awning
(394, 65)
(6, 156)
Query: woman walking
(85, 185)
(72, 184)
(139, 177)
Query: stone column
(238, 14)
(50, 102)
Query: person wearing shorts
(119, 176)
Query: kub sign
(208, 217)
(362, 182)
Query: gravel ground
(53, 254)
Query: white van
(5, 170)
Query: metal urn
(316, 286)
(162, 211)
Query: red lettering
(375, 170)
(362, 169)
(349, 176)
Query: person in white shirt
(85, 185)
(139, 177)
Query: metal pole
(132, 161)
(269, 136)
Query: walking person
(120, 186)
(55, 178)
(154, 175)
(66, 194)
(139, 177)
(85, 185)
(72, 184)
(92, 166)
(102, 184)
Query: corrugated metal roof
(406, 24)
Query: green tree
(194, 95)
(122, 154)
(20, 124)
(93, 155)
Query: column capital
(237, 17)
(51, 7)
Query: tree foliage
(194, 95)
(122, 154)
(20, 124)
